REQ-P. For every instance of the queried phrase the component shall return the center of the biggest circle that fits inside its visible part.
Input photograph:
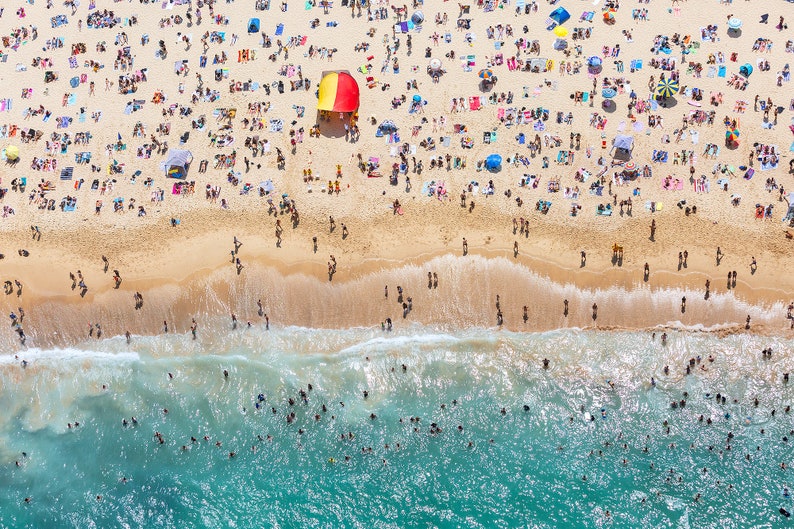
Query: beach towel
(445, 141)
(654, 206)
(605, 212)
(673, 184)
(67, 173)
(695, 136)
(276, 125)
(474, 103)
(722, 71)
(72, 99)
(279, 29)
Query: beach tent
(746, 70)
(417, 18)
(338, 93)
(622, 146)
(177, 163)
(560, 15)
(253, 25)
(493, 162)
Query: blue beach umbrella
(734, 23)
(417, 98)
(594, 61)
(493, 162)
(608, 93)
(486, 74)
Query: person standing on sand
(465, 246)
(653, 229)
(193, 328)
(260, 310)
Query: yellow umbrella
(12, 152)
(560, 31)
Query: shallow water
(524, 468)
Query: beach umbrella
(435, 64)
(732, 135)
(594, 61)
(608, 93)
(338, 93)
(266, 186)
(734, 23)
(417, 98)
(559, 44)
(667, 88)
(493, 162)
(486, 74)
(630, 166)
(561, 31)
(417, 18)
(12, 152)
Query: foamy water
(559, 462)
(464, 297)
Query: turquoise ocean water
(556, 447)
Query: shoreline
(296, 292)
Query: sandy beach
(702, 188)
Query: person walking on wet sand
(465, 246)
(595, 311)
(193, 328)
(653, 229)
(259, 308)
(683, 304)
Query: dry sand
(185, 271)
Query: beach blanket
(605, 212)
(654, 206)
(279, 29)
(276, 125)
(659, 156)
(67, 173)
(673, 184)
